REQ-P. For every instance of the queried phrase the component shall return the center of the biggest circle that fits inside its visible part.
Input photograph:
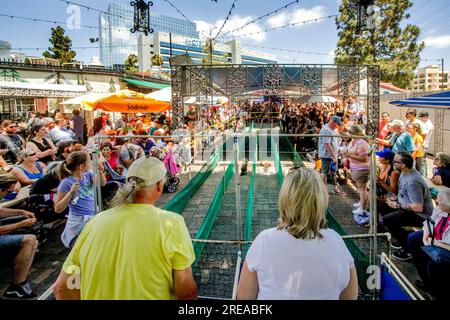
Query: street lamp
(141, 16)
(363, 14)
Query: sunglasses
(31, 155)
(12, 127)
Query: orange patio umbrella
(128, 101)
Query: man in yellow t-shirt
(414, 130)
(133, 251)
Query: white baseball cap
(397, 123)
(151, 170)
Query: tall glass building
(116, 40)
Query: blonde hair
(444, 159)
(444, 199)
(303, 202)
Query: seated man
(60, 133)
(413, 206)
(26, 244)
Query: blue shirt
(322, 149)
(82, 203)
(403, 143)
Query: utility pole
(170, 41)
(211, 50)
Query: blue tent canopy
(436, 101)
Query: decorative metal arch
(287, 80)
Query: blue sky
(431, 15)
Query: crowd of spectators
(54, 159)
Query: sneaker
(20, 291)
(402, 255)
(396, 246)
(359, 211)
(357, 205)
(362, 219)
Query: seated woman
(434, 275)
(43, 193)
(76, 191)
(441, 173)
(114, 171)
(28, 169)
(43, 147)
(387, 180)
(301, 258)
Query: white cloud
(308, 14)
(278, 20)
(437, 42)
(253, 31)
(298, 15)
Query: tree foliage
(131, 63)
(386, 42)
(212, 58)
(61, 46)
(157, 60)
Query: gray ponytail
(127, 193)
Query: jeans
(419, 165)
(424, 169)
(395, 222)
(434, 276)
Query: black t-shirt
(44, 185)
(445, 176)
(13, 143)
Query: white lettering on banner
(74, 280)
(373, 281)
(74, 20)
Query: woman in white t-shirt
(301, 258)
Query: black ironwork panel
(178, 78)
(348, 80)
(310, 80)
(373, 100)
(236, 81)
(273, 79)
(200, 81)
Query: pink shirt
(113, 161)
(361, 148)
(383, 130)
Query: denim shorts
(326, 165)
(11, 241)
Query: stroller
(172, 169)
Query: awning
(436, 101)
(43, 86)
(127, 101)
(146, 84)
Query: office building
(429, 78)
(116, 40)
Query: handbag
(437, 254)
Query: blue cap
(386, 153)
(337, 119)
